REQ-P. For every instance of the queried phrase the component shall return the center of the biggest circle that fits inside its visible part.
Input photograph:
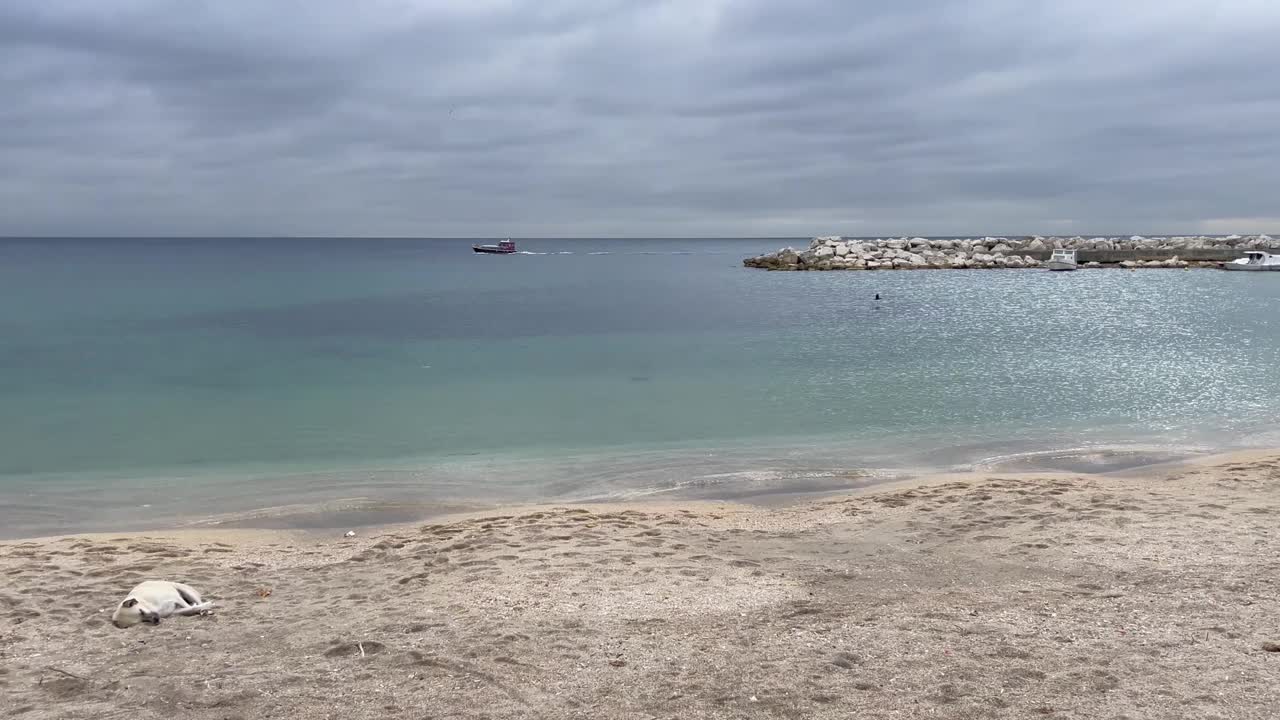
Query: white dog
(155, 599)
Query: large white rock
(1036, 244)
(896, 244)
(825, 251)
(842, 250)
(1002, 248)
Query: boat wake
(610, 252)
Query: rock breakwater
(918, 253)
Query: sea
(286, 381)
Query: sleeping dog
(155, 599)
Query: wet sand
(1147, 595)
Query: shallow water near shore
(156, 381)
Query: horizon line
(469, 238)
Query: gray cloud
(637, 117)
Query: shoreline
(766, 476)
(1140, 593)
(375, 516)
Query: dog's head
(130, 613)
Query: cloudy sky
(638, 117)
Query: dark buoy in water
(877, 296)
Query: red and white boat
(506, 247)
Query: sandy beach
(1147, 595)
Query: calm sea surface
(147, 379)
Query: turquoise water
(211, 375)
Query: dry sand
(973, 597)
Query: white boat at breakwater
(1062, 260)
(1254, 260)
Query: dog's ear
(129, 603)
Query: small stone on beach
(350, 533)
(1271, 647)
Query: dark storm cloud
(583, 117)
